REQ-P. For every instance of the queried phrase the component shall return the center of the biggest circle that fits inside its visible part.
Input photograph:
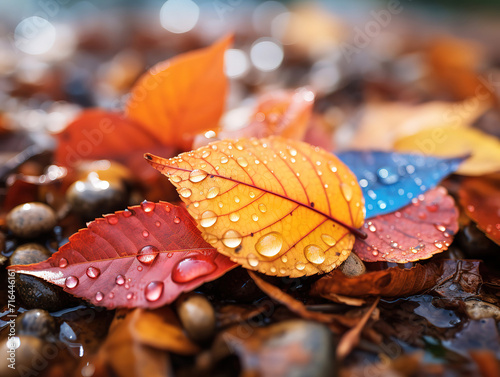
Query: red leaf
(392, 282)
(480, 198)
(183, 96)
(141, 257)
(415, 232)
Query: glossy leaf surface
(390, 180)
(141, 257)
(278, 206)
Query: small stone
(477, 309)
(27, 355)
(33, 292)
(353, 266)
(197, 316)
(93, 197)
(36, 322)
(29, 220)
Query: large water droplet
(270, 244)
(212, 192)
(120, 280)
(231, 239)
(93, 272)
(185, 192)
(197, 175)
(314, 254)
(63, 262)
(346, 191)
(147, 254)
(71, 282)
(208, 218)
(191, 268)
(242, 162)
(329, 240)
(262, 208)
(99, 296)
(148, 206)
(234, 217)
(154, 290)
(252, 260)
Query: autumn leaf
(453, 142)
(385, 123)
(480, 198)
(415, 232)
(391, 282)
(391, 180)
(141, 257)
(278, 206)
(282, 113)
(181, 97)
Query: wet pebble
(29, 220)
(29, 356)
(353, 266)
(477, 309)
(32, 291)
(94, 197)
(36, 322)
(197, 316)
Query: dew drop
(177, 220)
(196, 204)
(185, 192)
(208, 218)
(120, 280)
(63, 262)
(293, 152)
(262, 208)
(145, 233)
(112, 220)
(332, 167)
(139, 268)
(99, 296)
(236, 199)
(111, 295)
(242, 162)
(314, 254)
(269, 244)
(130, 295)
(252, 260)
(191, 268)
(441, 228)
(148, 206)
(127, 213)
(197, 175)
(346, 191)
(282, 271)
(470, 208)
(255, 217)
(231, 239)
(433, 207)
(300, 266)
(175, 178)
(372, 228)
(234, 217)
(212, 192)
(71, 282)
(251, 194)
(158, 224)
(273, 269)
(93, 272)
(439, 245)
(329, 240)
(205, 154)
(422, 215)
(224, 160)
(147, 254)
(394, 244)
(221, 204)
(153, 291)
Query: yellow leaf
(451, 142)
(384, 123)
(183, 96)
(281, 207)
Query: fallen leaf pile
(333, 235)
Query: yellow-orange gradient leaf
(183, 96)
(278, 206)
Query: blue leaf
(391, 180)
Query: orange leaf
(278, 206)
(183, 96)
